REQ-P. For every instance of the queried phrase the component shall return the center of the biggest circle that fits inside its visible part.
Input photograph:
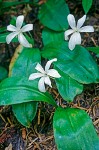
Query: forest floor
(40, 135)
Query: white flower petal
(23, 41)
(48, 64)
(68, 32)
(41, 85)
(87, 29)
(11, 28)
(11, 36)
(19, 21)
(27, 27)
(40, 68)
(74, 40)
(48, 81)
(53, 73)
(34, 76)
(81, 21)
(71, 21)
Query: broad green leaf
(23, 64)
(78, 64)
(9, 4)
(53, 14)
(73, 130)
(3, 73)
(16, 90)
(3, 37)
(29, 38)
(13, 21)
(26, 61)
(25, 112)
(68, 87)
(49, 36)
(86, 5)
(93, 49)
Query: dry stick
(39, 112)
(30, 145)
(3, 118)
(92, 40)
(51, 137)
(96, 122)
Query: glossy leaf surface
(78, 64)
(73, 130)
(94, 49)
(25, 112)
(68, 87)
(23, 64)
(49, 36)
(9, 4)
(53, 14)
(3, 73)
(15, 91)
(86, 5)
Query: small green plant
(73, 67)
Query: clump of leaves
(73, 66)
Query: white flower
(75, 31)
(18, 31)
(45, 75)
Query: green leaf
(49, 36)
(73, 130)
(29, 38)
(3, 73)
(86, 5)
(9, 4)
(25, 112)
(53, 14)
(23, 64)
(2, 29)
(19, 89)
(68, 87)
(5, 5)
(16, 90)
(78, 64)
(93, 49)
(3, 37)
